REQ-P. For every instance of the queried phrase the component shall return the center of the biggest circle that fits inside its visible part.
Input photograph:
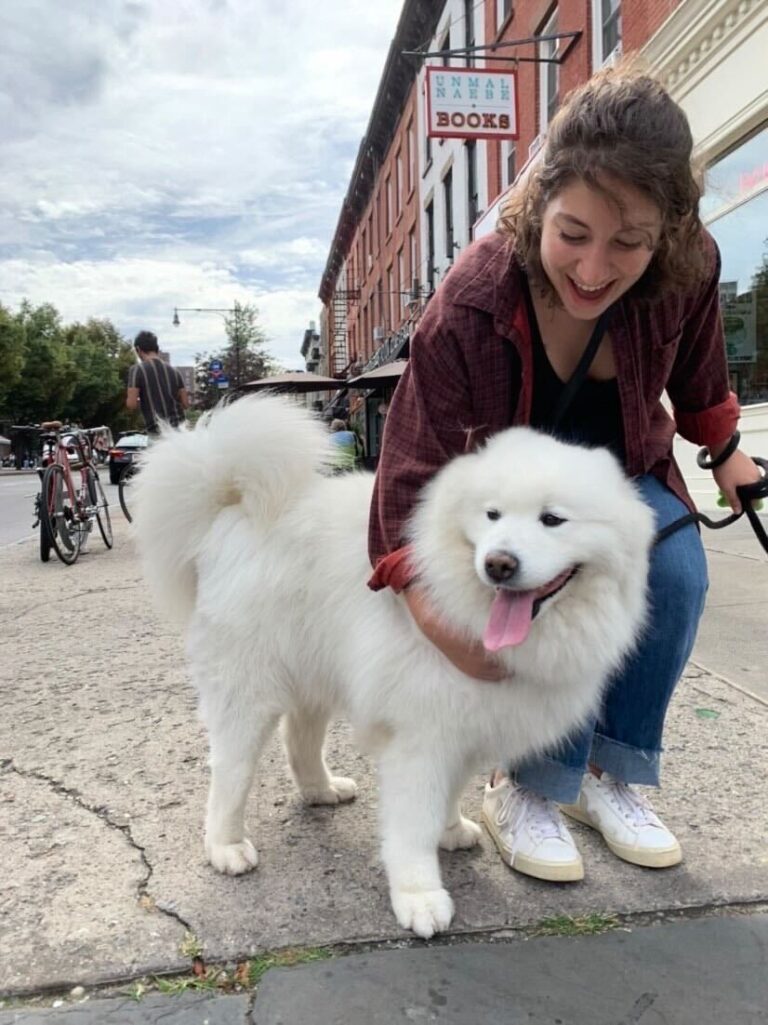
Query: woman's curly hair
(621, 125)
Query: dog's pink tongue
(510, 620)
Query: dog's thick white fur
(264, 560)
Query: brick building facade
(413, 201)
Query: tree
(11, 355)
(244, 358)
(101, 358)
(71, 372)
(48, 375)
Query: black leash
(748, 493)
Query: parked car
(125, 450)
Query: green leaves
(71, 372)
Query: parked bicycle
(66, 511)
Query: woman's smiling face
(595, 245)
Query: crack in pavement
(101, 812)
(79, 594)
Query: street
(17, 501)
(17, 504)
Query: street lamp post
(223, 313)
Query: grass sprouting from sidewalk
(243, 976)
(285, 959)
(583, 925)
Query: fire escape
(339, 354)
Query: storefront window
(735, 209)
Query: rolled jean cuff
(625, 763)
(549, 778)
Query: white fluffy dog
(539, 549)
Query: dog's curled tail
(261, 451)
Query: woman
(602, 240)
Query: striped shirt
(159, 385)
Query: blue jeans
(625, 740)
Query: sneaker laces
(634, 807)
(543, 815)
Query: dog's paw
(232, 858)
(461, 836)
(339, 791)
(424, 911)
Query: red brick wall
(376, 306)
(640, 20)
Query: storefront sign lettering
(467, 103)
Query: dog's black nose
(501, 566)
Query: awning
(389, 373)
(295, 381)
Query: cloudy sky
(190, 153)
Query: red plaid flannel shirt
(459, 387)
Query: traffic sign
(215, 366)
(222, 381)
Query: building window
(402, 281)
(398, 182)
(413, 257)
(549, 74)
(503, 11)
(391, 304)
(511, 163)
(469, 30)
(445, 47)
(606, 28)
(388, 209)
(430, 219)
(735, 210)
(427, 144)
(472, 200)
(448, 207)
(410, 159)
(508, 163)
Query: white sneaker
(628, 823)
(530, 833)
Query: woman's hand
(738, 469)
(472, 659)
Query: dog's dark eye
(550, 520)
(493, 514)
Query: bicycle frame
(61, 456)
(66, 513)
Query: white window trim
(550, 26)
(598, 57)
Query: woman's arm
(426, 426)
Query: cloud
(190, 153)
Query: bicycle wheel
(98, 499)
(59, 514)
(124, 487)
(45, 534)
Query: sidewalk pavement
(102, 794)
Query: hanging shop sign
(471, 103)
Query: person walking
(600, 242)
(155, 386)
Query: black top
(593, 416)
